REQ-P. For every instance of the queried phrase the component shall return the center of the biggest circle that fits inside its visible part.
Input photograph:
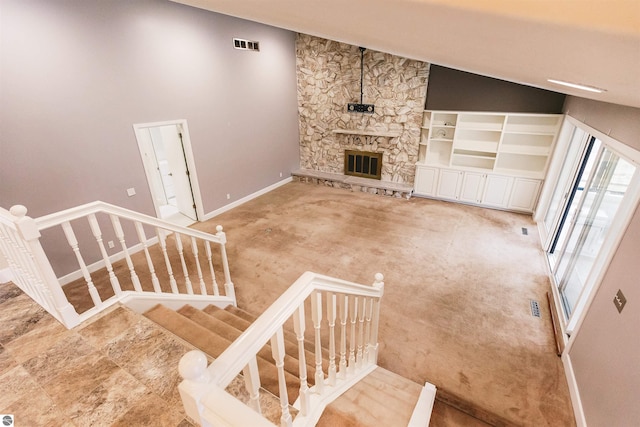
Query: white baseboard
(75, 275)
(574, 392)
(6, 275)
(245, 199)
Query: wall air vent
(243, 44)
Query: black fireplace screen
(363, 163)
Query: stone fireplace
(329, 78)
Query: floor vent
(535, 308)
(525, 231)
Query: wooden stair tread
(217, 326)
(229, 315)
(381, 399)
(213, 345)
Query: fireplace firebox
(365, 164)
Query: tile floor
(119, 369)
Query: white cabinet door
(449, 184)
(524, 195)
(497, 189)
(472, 186)
(426, 180)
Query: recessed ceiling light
(577, 86)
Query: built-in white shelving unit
(491, 159)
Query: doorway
(168, 162)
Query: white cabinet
(449, 184)
(524, 194)
(497, 189)
(426, 181)
(491, 159)
(472, 186)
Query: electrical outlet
(228, 196)
(280, 174)
(110, 244)
(131, 191)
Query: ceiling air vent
(243, 44)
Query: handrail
(186, 248)
(57, 218)
(225, 368)
(342, 301)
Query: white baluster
(194, 250)
(343, 305)
(331, 318)
(162, 240)
(207, 246)
(143, 241)
(299, 327)
(228, 284)
(187, 281)
(277, 350)
(21, 262)
(73, 242)
(97, 233)
(252, 384)
(375, 320)
(367, 330)
(29, 236)
(353, 311)
(316, 315)
(117, 228)
(361, 313)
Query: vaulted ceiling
(589, 42)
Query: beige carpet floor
(458, 284)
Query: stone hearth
(354, 183)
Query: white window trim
(626, 211)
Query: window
(596, 187)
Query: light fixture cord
(361, 72)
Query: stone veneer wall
(329, 78)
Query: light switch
(131, 191)
(619, 301)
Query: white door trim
(188, 152)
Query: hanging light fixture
(361, 108)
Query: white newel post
(375, 321)
(193, 370)
(228, 284)
(29, 231)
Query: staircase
(381, 398)
(289, 379)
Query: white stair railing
(203, 388)
(84, 228)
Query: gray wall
(606, 351)
(451, 89)
(76, 75)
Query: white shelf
(525, 149)
(517, 144)
(467, 144)
(387, 134)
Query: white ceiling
(591, 42)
